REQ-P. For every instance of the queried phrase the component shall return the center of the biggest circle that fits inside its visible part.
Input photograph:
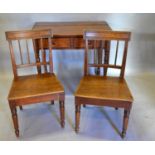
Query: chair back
(118, 46)
(24, 47)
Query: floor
(41, 121)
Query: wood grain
(108, 88)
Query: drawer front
(78, 43)
(61, 43)
(70, 43)
(57, 43)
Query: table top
(70, 29)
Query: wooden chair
(35, 88)
(104, 90)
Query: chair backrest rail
(107, 35)
(28, 34)
(105, 66)
(33, 64)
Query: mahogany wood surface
(34, 85)
(107, 88)
(71, 29)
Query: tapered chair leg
(125, 122)
(52, 102)
(62, 113)
(15, 119)
(77, 117)
(20, 107)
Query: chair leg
(15, 118)
(77, 117)
(52, 102)
(20, 107)
(62, 113)
(125, 122)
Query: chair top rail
(28, 34)
(107, 35)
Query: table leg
(37, 55)
(52, 102)
(99, 57)
(21, 108)
(106, 56)
(44, 59)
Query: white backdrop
(68, 64)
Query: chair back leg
(77, 117)
(62, 113)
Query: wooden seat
(104, 90)
(32, 88)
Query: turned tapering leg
(44, 59)
(52, 102)
(125, 122)
(20, 107)
(15, 118)
(77, 117)
(99, 57)
(106, 56)
(37, 54)
(62, 113)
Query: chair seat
(34, 85)
(107, 88)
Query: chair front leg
(77, 117)
(62, 113)
(125, 121)
(14, 118)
